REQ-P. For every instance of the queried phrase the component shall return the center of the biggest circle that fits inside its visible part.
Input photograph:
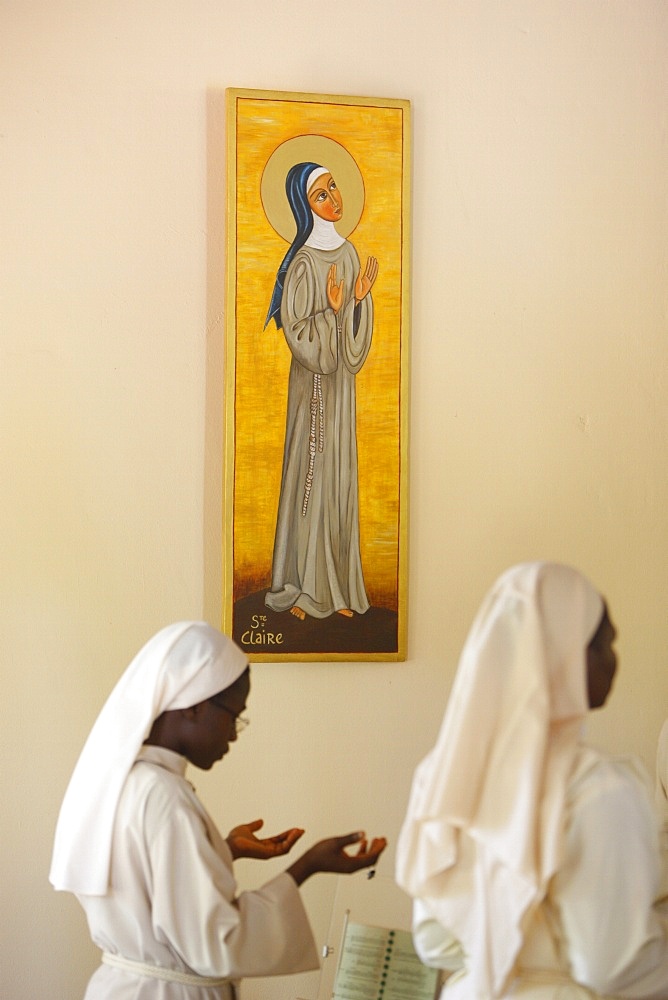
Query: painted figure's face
(325, 198)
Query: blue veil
(295, 188)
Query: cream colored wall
(539, 416)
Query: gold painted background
(374, 136)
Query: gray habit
(316, 564)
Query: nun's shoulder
(602, 775)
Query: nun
(534, 858)
(144, 858)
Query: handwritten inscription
(257, 634)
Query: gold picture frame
(315, 518)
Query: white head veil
(323, 236)
(483, 830)
(182, 665)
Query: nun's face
(601, 662)
(325, 198)
(214, 725)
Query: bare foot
(345, 611)
(298, 613)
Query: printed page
(377, 963)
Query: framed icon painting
(315, 509)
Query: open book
(369, 953)
(377, 963)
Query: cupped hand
(331, 856)
(244, 844)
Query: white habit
(598, 920)
(144, 859)
(172, 894)
(533, 859)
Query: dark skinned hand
(330, 856)
(244, 844)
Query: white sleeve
(616, 938)
(196, 911)
(434, 945)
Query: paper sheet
(381, 964)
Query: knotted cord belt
(316, 436)
(160, 972)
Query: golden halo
(317, 149)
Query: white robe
(173, 901)
(599, 932)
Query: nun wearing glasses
(144, 858)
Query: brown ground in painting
(256, 628)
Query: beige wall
(539, 415)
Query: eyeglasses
(239, 721)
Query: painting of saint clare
(316, 376)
